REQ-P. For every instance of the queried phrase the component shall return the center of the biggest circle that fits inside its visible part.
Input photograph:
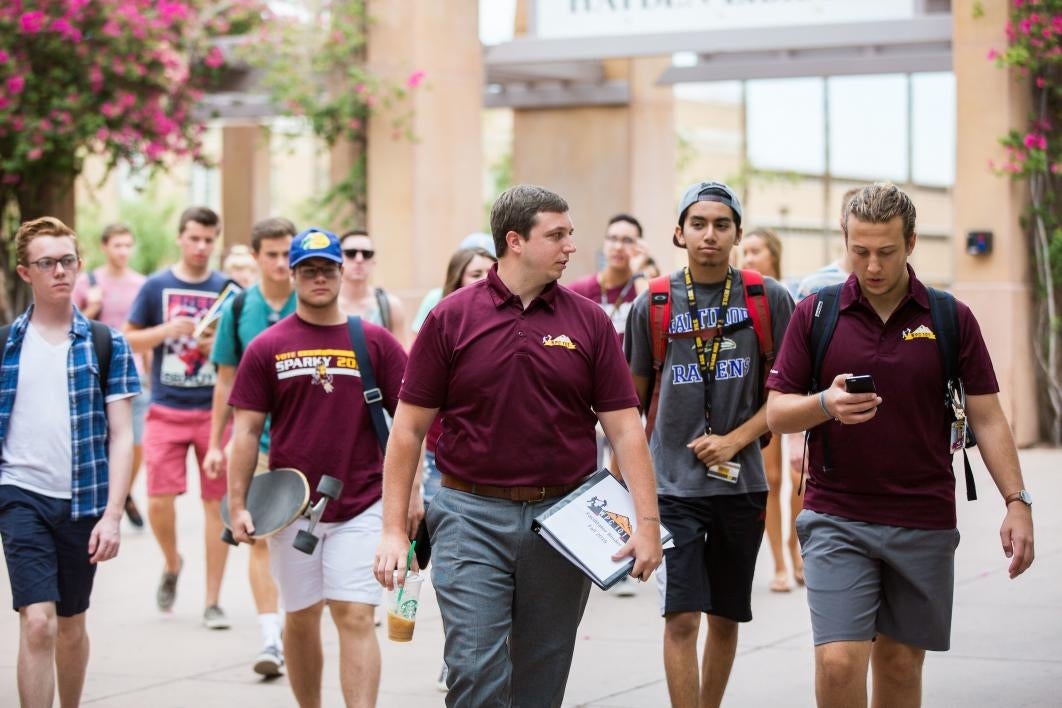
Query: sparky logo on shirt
(562, 340)
(922, 332)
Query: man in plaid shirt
(66, 445)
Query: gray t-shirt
(735, 388)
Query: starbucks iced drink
(402, 608)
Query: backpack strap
(659, 324)
(237, 310)
(945, 318)
(385, 308)
(372, 394)
(760, 313)
(101, 343)
(823, 323)
(92, 279)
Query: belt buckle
(541, 494)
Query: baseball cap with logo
(315, 243)
(711, 192)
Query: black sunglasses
(352, 253)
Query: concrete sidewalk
(1006, 641)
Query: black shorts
(710, 569)
(46, 551)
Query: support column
(245, 178)
(605, 160)
(991, 102)
(424, 193)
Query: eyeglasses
(47, 265)
(623, 241)
(352, 253)
(310, 272)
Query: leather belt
(516, 494)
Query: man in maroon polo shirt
(303, 373)
(521, 369)
(878, 527)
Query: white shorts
(339, 569)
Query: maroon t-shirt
(895, 469)
(306, 377)
(616, 302)
(517, 389)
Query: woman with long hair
(761, 250)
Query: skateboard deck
(275, 499)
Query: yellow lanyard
(707, 367)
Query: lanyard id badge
(706, 365)
(957, 395)
(725, 471)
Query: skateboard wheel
(305, 542)
(329, 487)
(227, 537)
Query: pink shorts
(168, 433)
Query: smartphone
(863, 383)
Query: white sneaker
(440, 683)
(214, 618)
(269, 662)
(624, 588)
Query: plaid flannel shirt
(88, 412)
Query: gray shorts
(864, 579)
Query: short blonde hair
(880, 203)
(44, 226)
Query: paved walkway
(1006, 644)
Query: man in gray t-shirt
(710, 479)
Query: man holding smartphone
(878, 527)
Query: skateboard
(278, 498)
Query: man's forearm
(243, 462)
(627, 438)
(220, 410)
(400, 469)
(751, 430)
(144, 339)
(996, 444)
(119, 455)
(794, 412)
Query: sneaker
(166, 595)
(214, 618)
(270, 661)
(440, 683)
(133, 513)
(624, 588)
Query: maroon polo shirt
(517, 389)
(896, 468)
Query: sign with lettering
(599, 18)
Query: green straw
(409, 561)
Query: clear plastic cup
(402, 615)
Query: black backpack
(101, 344)
(945, 320)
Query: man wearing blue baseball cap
(302, 372)
(693, 338)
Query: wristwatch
(1023, 496)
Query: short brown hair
(880, 203)
(517, 209)
(774, 247)
(200, 215)
(273, 227)
(115, 229)
(44, 226)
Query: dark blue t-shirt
(181, 377)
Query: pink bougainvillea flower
(35, 154)
(214, 58)
(355, 124)
(1039, 82)
(32, 22)
(4, 57)
(1035, 141)
(15, 84)
(414, 80)
(992, 54)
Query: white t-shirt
(38, 448)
